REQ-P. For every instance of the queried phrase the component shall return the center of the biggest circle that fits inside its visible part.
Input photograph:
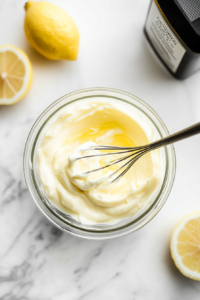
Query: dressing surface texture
(92, 198)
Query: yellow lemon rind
(173, 247)
(27, 80)
(51, 31)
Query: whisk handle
(178, 136)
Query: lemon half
(185, 246)
(15, 74)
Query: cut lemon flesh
(185, 246)
(15, 74)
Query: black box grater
(173, 30)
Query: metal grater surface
(191, 8)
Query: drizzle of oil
(112, 128)
(95, 133)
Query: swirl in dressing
(90, 198)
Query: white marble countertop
(39, 262)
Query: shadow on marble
(39, 60)
(152, 68)
(143, 69)
(171, 266)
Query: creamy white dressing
(91, 198)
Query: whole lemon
(51, 31)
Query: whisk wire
(128, 164)
(105, 154)
(113, 162)
(139, 151)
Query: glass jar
(66, 222)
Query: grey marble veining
(38, 261)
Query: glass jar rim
(57, 219)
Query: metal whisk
(132, 154)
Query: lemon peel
(185, 246)
(51, 31)
(15, 74)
